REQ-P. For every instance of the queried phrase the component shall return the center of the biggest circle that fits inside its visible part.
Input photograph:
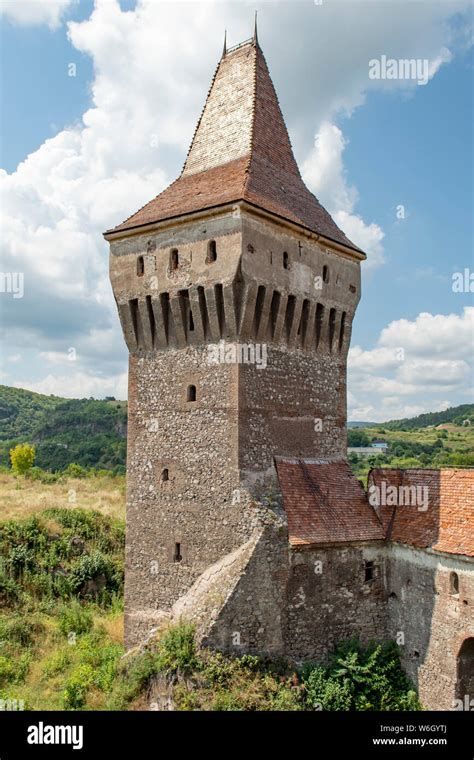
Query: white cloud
(78, 385)
(432, 334)
(324, 173)
(411, 365)
(35, 12)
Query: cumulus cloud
(35, 12)
(324, 174)
(151, 74)
(418, 360)
(78, 385)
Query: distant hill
(454, 414)
(93, 433)
(85, 431)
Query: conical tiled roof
(241, 151)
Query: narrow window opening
(286, 261)
(211, 252)
(258, 308)
(303, 325)
(191, 321)
(332, 327)
(342, 330)
(165, 476)
(454, 584)
(290, 311)
(191, 393)
(174, 259)
(177, 556)
(165, 310)
(319, 322)
(134, 315)
(369, 571)
(325, 273)
(250, 248)
(140, 266)
(274, 310)
(219, 296)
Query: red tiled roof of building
(325, 503)
(447, 523)
(241, 152)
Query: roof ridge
(254, 110)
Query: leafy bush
(74, 470)
(19, 630)
(74, 618)
(177, 650)
(22, 458)
(133, 676)
(14, 669)
(359, 678)
(77, 686)
(57, 663)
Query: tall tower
(236, 292)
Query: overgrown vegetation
(61, 577)
(61, 585)
(357, 678)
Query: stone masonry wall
(329, 600)
(433, 619)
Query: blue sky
(68, 140)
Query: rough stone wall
(253, 618)
(295, 407)
(434, 621)
(196, 442)
(328, 599)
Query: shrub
(75, 471)
(77, 686)
(74, 618)
(134, 675)
(10, 590)
(14, 670)
(359, 678)
(177, 650)
(22, 458)
(57, 663)
(19, 630)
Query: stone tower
(236, 293)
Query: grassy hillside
(61, 585)
(84, 431)
(450, 446)
(454, 414)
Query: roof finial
(225, 43)
(255, 34)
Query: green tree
(22, 458)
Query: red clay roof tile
(241, 151)
(447, 523)
(325, 503)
